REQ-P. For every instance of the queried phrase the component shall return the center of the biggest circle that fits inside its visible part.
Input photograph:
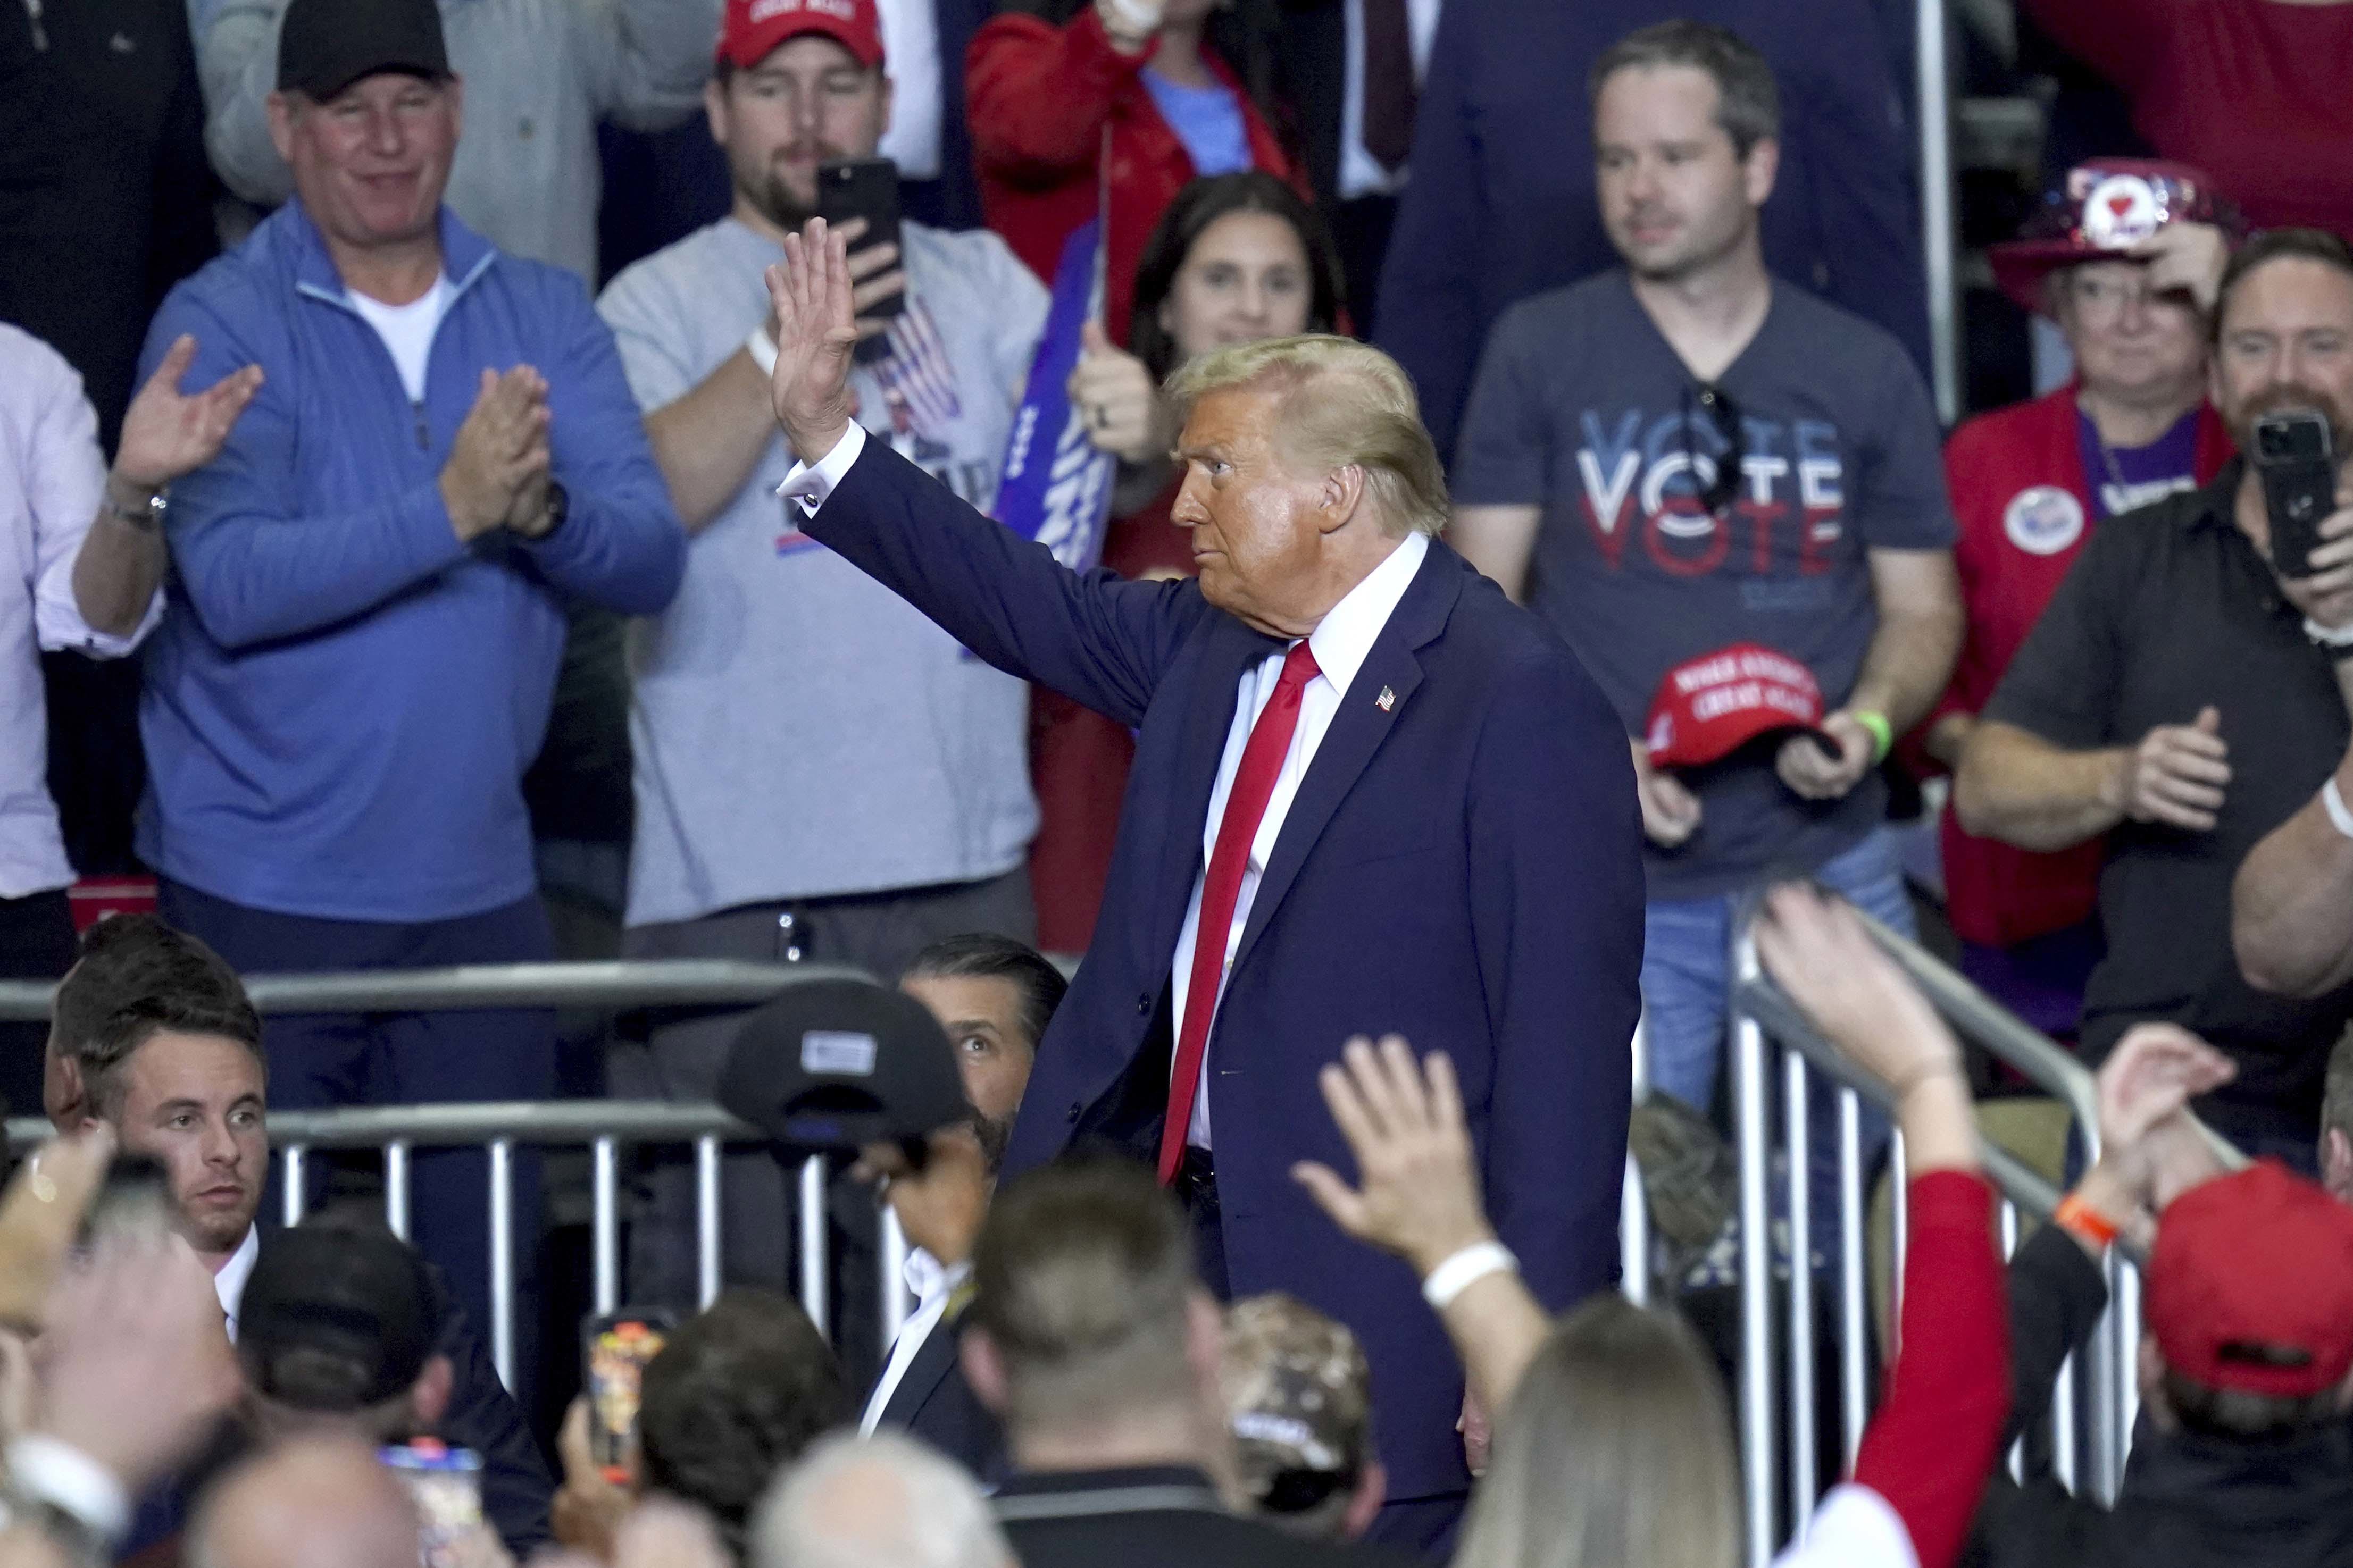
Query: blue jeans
(1687, 971)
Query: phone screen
(447, 1486)
(616, 1349)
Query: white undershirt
(407, 330)
(932, 1287)
(1340, 642)
(911, 43)
(1361, 173)
(229, 1283)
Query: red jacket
(1038, 100)
(2024, 507)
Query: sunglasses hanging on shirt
(1724, 485)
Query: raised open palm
(167, 433)
(817, 331)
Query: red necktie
(1269, 744)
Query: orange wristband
(2080, 1219)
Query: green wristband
(1883, 735)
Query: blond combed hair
(1615, 1452)
(1345, 404)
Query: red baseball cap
(754, 29)
(1710, 706)
(2251, 1284)
(2105, 208)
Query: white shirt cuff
(813, 487)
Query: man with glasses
(1695, 471)
(2124, 261)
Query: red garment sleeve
(1936, 1436)
(2124, 40)
(1037, 96)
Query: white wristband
(2328, 637)
(763, 350)
(1466, 1268)
(59, 1474)
(2332, 801)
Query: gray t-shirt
(800, 731)
(1583, 408)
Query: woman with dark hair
(1236, 258)
(1080, 106)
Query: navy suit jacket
(935, 1402)
(1503, 201)
(1461, 865)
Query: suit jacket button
(1074, 1111)
(1143, 1005)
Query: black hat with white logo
(840, 1064)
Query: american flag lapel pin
(1386, 701)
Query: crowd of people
(1530, 556)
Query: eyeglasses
(1732, 430)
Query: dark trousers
(36, 943)
(323, 1060)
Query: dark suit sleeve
(2056, 1297)
(1094, 638)
(483, 1416)
(1431, 280)
(1556, 919)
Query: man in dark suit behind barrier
(1370, 795)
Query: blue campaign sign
(1054, 486)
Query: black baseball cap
(325, 46)
(351, 1305)
(834, 1065)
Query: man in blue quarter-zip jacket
(362, 638)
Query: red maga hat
(2105, 208)
(1709, 707)
(2251, 1284)
(755, 29)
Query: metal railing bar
(604, 1225)
(618, 983)
(559, 1122)
(395, 1187)
(1797, 1140)
(503, 1291)
(706, 1219)
(1758, 1412)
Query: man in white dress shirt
(82, 545)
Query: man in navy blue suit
(1370, 795)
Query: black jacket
(2187, 1501)
(1159, 1517)
(933, 1402)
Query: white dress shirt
(229, 1283)
(911, 45)
(52, 477)
(932, 1287)
(1341, 642)
(1361, 173)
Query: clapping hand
(2177, 774)
(498, 469)
(1818, 953)
(2144, 1091)
(167, 433)
(813, 301)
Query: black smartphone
(867, 188)
(613, 1352)
(2297, 462)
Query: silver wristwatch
(148, 519)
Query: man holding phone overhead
(2185, 693)
(821, 771)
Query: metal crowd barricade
(603, 1127)
(1767, 1032)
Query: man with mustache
(2183, 697)
(820, 772)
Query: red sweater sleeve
(1935, 1441)
(1037, 96)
